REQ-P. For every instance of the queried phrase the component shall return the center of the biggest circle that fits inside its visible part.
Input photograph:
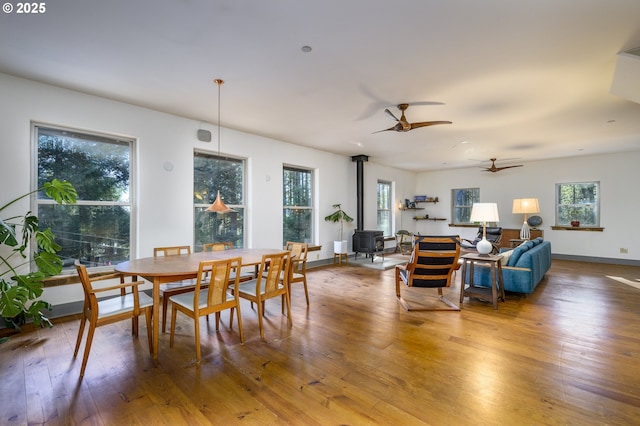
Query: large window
(462, 200)
(578, 201)
(297, 205)
(97, 229)
(212, 173)
(384, 207)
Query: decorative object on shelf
(339, 216)
(534, 221)
(575, 223)
(425, 199)
(484, 212)
(218, 206)
(526, 206)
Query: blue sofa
(522, 268)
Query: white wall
(164, 199)
(618, 175)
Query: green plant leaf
(32, 282)
(35, 312)
(48, 264)
(61, 191)
(8, 234)
(12, 299)
(46, 241)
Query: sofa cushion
(505, 256)
(517, 252)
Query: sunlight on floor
(635, 284)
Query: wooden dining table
(167, 269)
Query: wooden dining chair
(128, 305)
(267, 285)
(169, 289)
(227, 245)
(212, 298)
(298, 272)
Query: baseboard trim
(592, 259)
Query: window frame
(473, 198)
(198, 207)
(388, 208)
(594, 206)
(130, 204)
(310, 208)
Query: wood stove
(368, 242)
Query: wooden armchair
(403, 242)
(298, 273)
(432, 263)
(112, 309)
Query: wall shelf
(411, 208)
(429, 218)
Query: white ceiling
(520, 80)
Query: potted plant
(20, 292)
(339, 216)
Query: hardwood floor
(567, 354)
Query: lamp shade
(526, 205)
(219, 206)
(484, 212)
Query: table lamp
(525, 205)
(484, 212)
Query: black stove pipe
(359, 160)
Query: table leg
(494, 290)
(463, 278)
(156, 315)
(501, 280)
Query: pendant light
(218, 206)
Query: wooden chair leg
(288, 299)
(174, 313)
(165, 303)
(306, 291)
(87, 348)
(148, 314)
(239, 325)
(196, 323)
(80, 333)
(260, 305)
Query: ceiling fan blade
(428, 123)
(390, 115)
(397, 128)
(494, 169)
(509, 167)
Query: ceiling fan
(403, 125)
(494, 169)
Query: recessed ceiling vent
(626, 77)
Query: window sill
(578, 228)
(73, 278)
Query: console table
(514, 234)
